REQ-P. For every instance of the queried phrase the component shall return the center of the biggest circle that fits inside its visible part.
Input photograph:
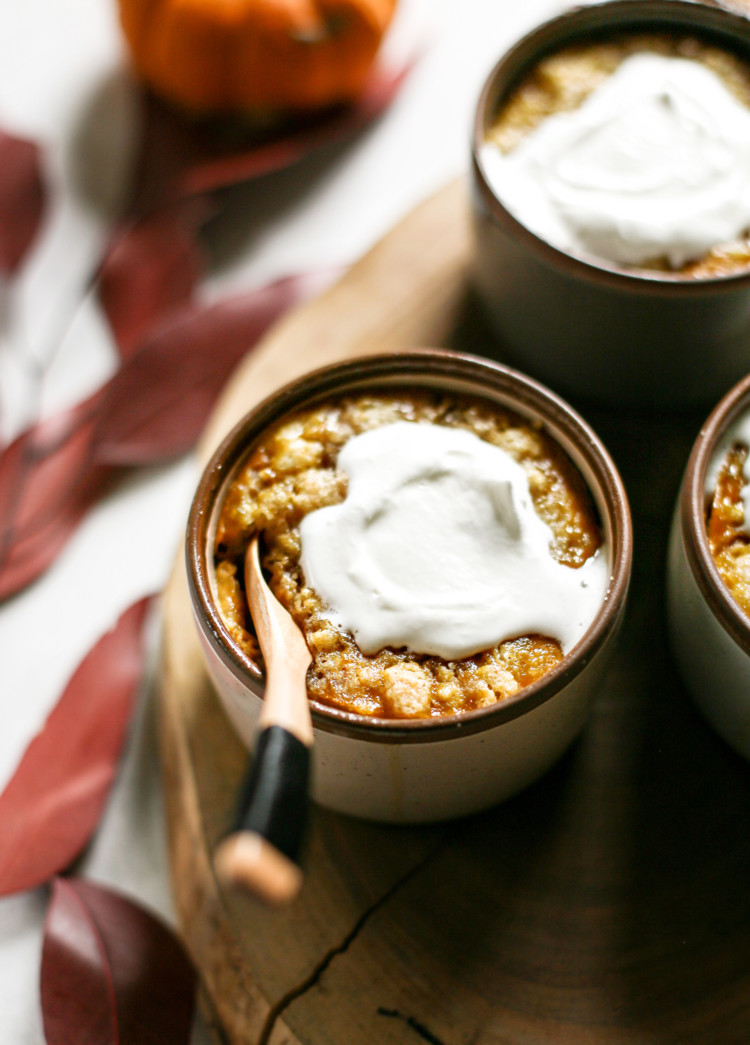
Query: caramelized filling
(729, 546)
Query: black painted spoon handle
(261, 853)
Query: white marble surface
(61, 68)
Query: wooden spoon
(261, 853)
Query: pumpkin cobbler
(562, 81)
(292, 470)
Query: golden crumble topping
(562, 81)
(292, 471)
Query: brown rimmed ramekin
(709, 632)
(590, 329)
(401, 770)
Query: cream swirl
(655, 163)
(438, 548)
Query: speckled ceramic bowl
(709, 633)
(588, 328)
(402, 770)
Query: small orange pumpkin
(254, 56)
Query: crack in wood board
(313, 979)
(411, 1021)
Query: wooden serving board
(609, 903)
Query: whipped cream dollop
(655, 163)
(438, 548)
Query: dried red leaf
(28, 557)
(112, 974)
(151, 268)
(156, 405)
(22, 199)
(39, 466)
(76, 985)
(53, 802)
(47, 482)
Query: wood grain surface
(609, 903)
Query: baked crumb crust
(562, 81)
(292, 471)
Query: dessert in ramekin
(404, 739)
(707, 581)
(612, 201)
(438, 553)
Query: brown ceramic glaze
(418, 369)
(709, 632)
(589, 328)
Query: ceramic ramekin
(709, 633)
(587, 328)
(423, 769)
